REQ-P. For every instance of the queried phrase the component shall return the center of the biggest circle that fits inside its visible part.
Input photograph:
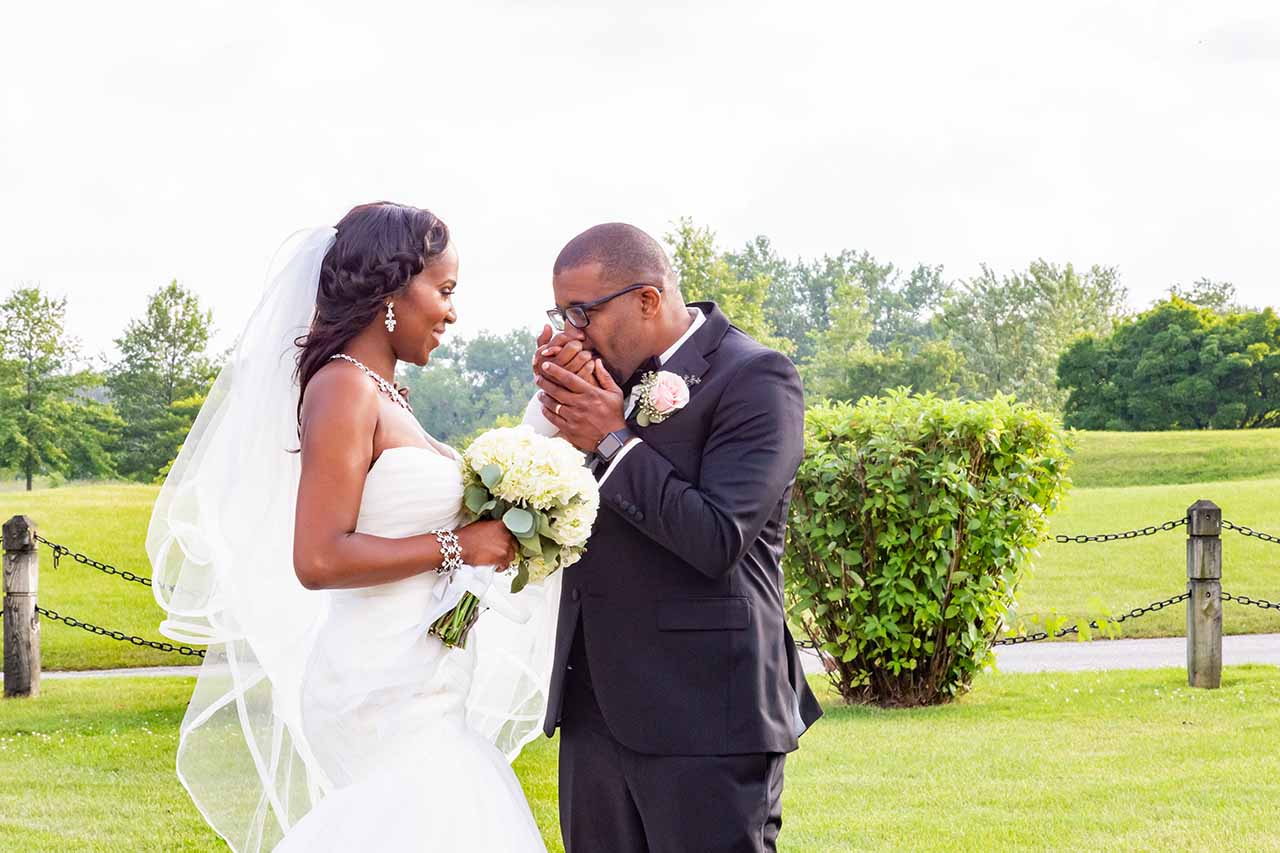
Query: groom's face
(615, 329)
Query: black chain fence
(119, 635)
(1151, 530)
(60, 551)
(1075, 629)
(1254, 602)
(1250, 532)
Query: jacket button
(575, 595)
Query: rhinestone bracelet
(450, 551)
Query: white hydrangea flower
(540, 473)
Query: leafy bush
(1177, 366)
(912, 525)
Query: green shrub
(912, 524)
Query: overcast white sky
(143, 141)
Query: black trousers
(614, 800)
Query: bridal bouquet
(541, 490)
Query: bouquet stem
(452, 628)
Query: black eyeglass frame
(559, 317)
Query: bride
(308, 533)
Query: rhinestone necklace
(386, 387)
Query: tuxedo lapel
(690, 361)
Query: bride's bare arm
(339, 419)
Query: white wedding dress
(331, 720)
(384, 705)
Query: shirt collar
(698, 319)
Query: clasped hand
(578, 395)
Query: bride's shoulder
(339, 390)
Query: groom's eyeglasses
(576, 315)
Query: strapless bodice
(375, 670)
(410, 490)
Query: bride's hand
(566, 353)
(487, 543)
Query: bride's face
(424, 309)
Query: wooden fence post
(21, 624)
(1204, 590)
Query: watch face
(608, 446)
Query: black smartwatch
(613, 442)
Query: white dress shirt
(698, 320)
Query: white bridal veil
(221, 543)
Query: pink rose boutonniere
(659, 396)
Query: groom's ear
(650, 303)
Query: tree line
(126, 419)
(1052, 335)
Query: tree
(1176, 366)
(1010, 330)
(162, 361)
(473, 384)
(802, 295)
(846, 366)
(792, 311)
(1217, 296)
(902, 307)
(705, 275)
(47, 422)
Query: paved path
(1029, 657)
(1118, 654)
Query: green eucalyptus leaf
(519, 521)
(475, 498)
(491, 476)
(543, 522)
(531, 545)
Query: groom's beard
(618, 378)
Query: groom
(676, 685)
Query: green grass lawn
(1158, 458)
(1118, 760)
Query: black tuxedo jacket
(679, 595)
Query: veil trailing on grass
(221, 548)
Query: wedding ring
(558, 409)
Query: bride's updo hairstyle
(379, 247)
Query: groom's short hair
(626, 254)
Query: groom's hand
(584, 412)
(560, 350)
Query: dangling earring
(390, 322)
